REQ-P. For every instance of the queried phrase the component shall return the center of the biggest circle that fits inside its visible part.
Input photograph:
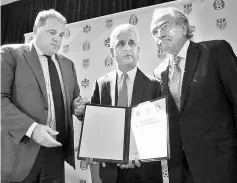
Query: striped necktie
(175, 82)
(123, 92)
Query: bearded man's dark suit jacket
(205, 128)
(144, 89)
(24, 101)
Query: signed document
(119, 134)
(149, 131)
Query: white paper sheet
(109, 143)
(149, 127)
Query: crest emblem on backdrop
(107, 42)
(85, 83)
(86, 29)
(82, 181)
(86, 63)
(165, 171)
(109, 23)
(221, 23)
(158, 107)
(83, 165)
(30, 39)
(219, 4)
(187, 8)
(133, 19)
(86, 46)
(67, 33)
(159, 52)
(138, 113)
(66, 48)
(108, 61)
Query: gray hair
(178, 16)
(123, 27)
(46, 14)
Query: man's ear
(112, 52)
(185, 29)
(138, 49)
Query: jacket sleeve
(14, 121)
(76, 91)
(95, 99)
(228, 74)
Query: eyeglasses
(164, 28)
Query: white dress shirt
(51, 112)
(130, 81)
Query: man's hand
(79, 105)
(131, 164)
(42, 135)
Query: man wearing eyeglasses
(200, 82)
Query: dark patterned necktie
(58, 100)
(123, 93)
(175, 82)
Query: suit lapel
(34, 63)
(190, 66)
(165, 79)
(108, 89)
(113, 88)
(65, 79)
(139, 87)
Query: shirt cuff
(31, 129)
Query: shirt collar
(131, 74)
(38, 51)
(183, 52)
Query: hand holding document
(123, 134)
(79, 105)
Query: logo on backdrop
(66, 48)
(85, 83)
(67, 33)
(30, 39)
(188, 8)
(83, 165)
(158, 107)
(86, 63)
(159, 52)
(138, 113)
(109, 23)
(219, 4)
(107, 42)
(86, 29)
(86, 46)
(221, 23)
(165, 171)
(108, 61)
(82, 181)
(133, 19)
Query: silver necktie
(175, 82)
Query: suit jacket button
(46, 108)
